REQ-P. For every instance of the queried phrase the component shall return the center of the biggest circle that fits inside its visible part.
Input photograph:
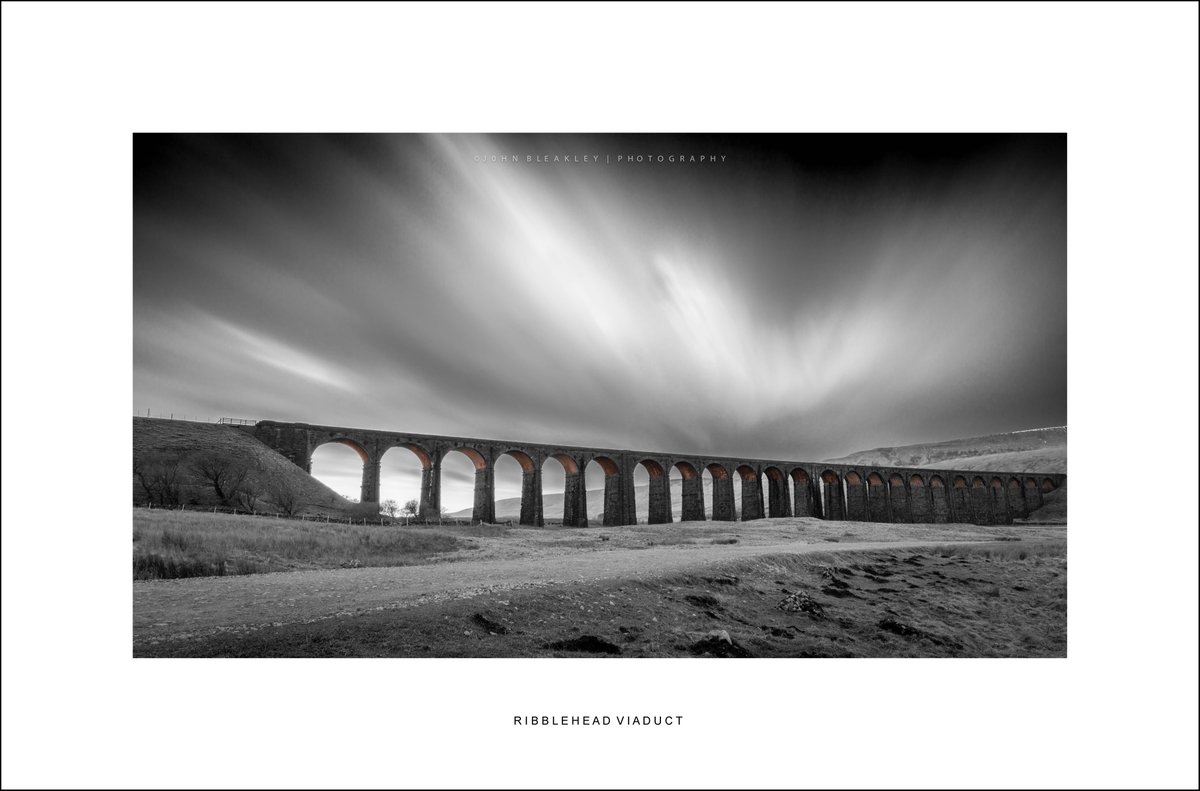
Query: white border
(79, 79)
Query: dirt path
(188, 608)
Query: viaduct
(799, 488)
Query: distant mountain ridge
(1033, 450)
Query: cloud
(812, 297)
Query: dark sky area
(808, 296)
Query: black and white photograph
(600, 395)
(724, 396)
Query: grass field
(1003, 599)
(174, 544)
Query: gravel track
(197, 607)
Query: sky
(767, 296)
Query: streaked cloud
(810, 297)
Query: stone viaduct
(828, 491)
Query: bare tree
(389, 508)
(410, 508)
(248, 498)
(227, 477)
(284, 496)
(165, 480)
(144, 475)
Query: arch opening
(339, 465)
(401, 475)
(554, 490)
(508, 475)
(457, 485)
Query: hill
(158, 442)
(1037, 450)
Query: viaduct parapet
(794, 488)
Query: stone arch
(778, 497)
(614, 501)
(1033, 495)
(483, 498)
(898, 499)
(692, 492)
(802, 493)
(723, 508)
(856, 497)
(877, 498)
(334, 467)
(981, 505)
(523, 458)
(752, 499)
(960, 500)
(939, 500)
(476, 458)
(1000, 508)
(461, 472)
(429, 498)
(531, 485)
(833, 503)
(1016, 498)
(574, 498)
(920, 507)
(653, 468)
(422, 454)
(350, 443)
(1048, 485)
(659, 507)
(570, 466)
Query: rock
(895, 627)
(802, 602)
(718, 643)
(488, 624)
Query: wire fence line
(325, 518)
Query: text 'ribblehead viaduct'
(794, 488)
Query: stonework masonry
(828, 491)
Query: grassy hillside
(158, 443)
(1039, 450)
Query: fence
(325, 518)
(227, 421)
